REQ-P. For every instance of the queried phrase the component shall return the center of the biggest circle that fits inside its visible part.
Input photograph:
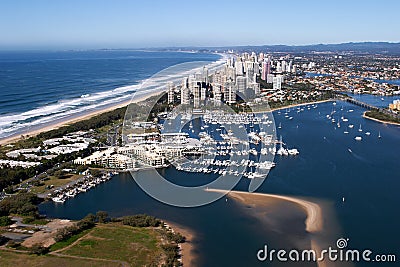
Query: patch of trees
(3, 240)
(23, 204)
(38, 249)
(5, 220)
(67, 232)
(9, 176)
(88, 222)
(95, 122)
(141, 220)
(381, 116)
(172, 253)
(175, 237)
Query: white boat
(253, 151)
(358, 138)
(58, 199)
(258, 175)
(282, 152)
(266, 165)
(351, 126)
(264, 151)
(293, 151)
(367, 133)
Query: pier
(344, 97)
(361, 104)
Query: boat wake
(358, 157)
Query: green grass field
(14, 259)
(110, 244)
(69, 241)
(137, 246)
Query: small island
(383, 117)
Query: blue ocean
(38, 88)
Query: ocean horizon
(41, 88)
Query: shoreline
(295, 105)
(319, 231)
(67, 121)
(187, 248)
(378, 120)
(57, 125)
(87, 115)
(314, 220)
(303, 104)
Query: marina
(238, 144)
(60, 195)
(321, 170)
(222, 144)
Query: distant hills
(359, 47)
(369, 47)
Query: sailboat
(359, 129)
(379, 135)
(346, 131)
(280, 126)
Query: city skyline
(133, 24)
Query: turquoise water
(331, 165)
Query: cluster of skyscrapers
(238, 77)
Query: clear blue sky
(85, 24)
